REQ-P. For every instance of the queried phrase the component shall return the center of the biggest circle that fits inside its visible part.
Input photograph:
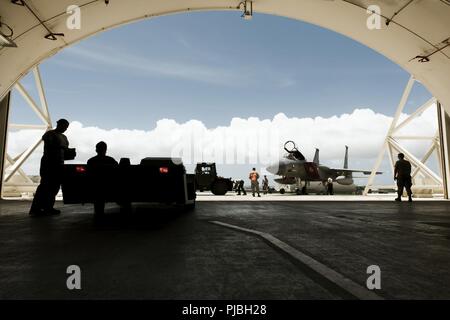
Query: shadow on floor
(141, 216)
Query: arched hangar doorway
(413, 34)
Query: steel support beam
(444, 132)
(4, 114)
(12, 165)
(390, 132)
(414, 161)
(392, 145)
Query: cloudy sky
(226, 85)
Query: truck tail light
(163, 170)
(80, 169)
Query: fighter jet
(295, 169)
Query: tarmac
(232, 196)
(250, 249)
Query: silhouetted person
(330, 187)
(254, 176)
(235, 185)
(56, 150)
(101, 158)
(241, 188)
(101, 178)
(265, 185)
(402, 174)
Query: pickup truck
(154, 180)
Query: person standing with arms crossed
(254, 176)
(402, 174)
(56, 150)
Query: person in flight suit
(402, 174)
(56, 150)
(101, 181)
(254, 176)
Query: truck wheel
(125, 208)
(282, 191)
(304, 191)
(219, 188)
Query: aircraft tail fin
(316, 157)
(348, 174)
(346, 158)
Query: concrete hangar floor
(229, 250)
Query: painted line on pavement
(336, 278)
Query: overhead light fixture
(18, 2)
(426, 57)
(247, 6)
(5, 40)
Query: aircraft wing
(365, 172)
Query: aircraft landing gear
(304, 190)
(299, 190)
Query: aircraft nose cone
(273, 168)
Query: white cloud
(363, 131)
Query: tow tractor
(207, 180)
(155, 180)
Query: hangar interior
(245, 250)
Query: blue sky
(213, 66)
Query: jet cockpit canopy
(292, 152)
